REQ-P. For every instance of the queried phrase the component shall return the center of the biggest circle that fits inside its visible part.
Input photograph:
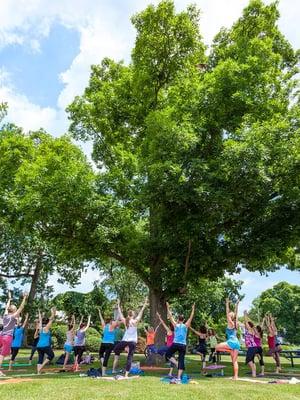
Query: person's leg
(234, 357)
(33, 350)
(67, 356)
(50, 355)
(169, 357)
(181, 355)
(203, 360)
(131, 347)
(101, 353)
(14, 353)
(277, 361)
(214, 357)
(117, 350)
(250, 360)
(109, 349)
(261, 360)
(40, 360)
(5, 349)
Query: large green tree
(198, 155)
(283, 302)
(46, 189)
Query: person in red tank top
(274, 347)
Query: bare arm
(156, 329)
(163, 323)
(40, 321)
(171, 318)
(140, 314)
(246, 320)
(8, 303)
(51, 319)
(195, 332)
(121, 316)
(189, 321)
(88, 324)
(25, 321)
(101, 319)
(236, 311)
(20, 309)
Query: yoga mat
(146, 368)
(17, 365)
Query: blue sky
(46, 49)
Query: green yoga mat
(17, 365)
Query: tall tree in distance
(283, 302)
(197, 155)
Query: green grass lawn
(69, 386)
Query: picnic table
(291, 355)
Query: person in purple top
(10, 319)
(79, 342)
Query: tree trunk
(158, 303)
(33, 288)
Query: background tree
(283, 302)
(44, 200)
(197, 156)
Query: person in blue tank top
(108, 340)
(179, 343)
(232, 345)
(17, 340)
(44, 343)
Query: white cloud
(26, 114)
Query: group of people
(11, 338)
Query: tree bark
(158, 303)
(33, 288)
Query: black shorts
(251, 353)
(202, 348)
(14, 353)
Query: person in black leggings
(36, 336)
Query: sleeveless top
(79, 338)
(44, 339)
(108, 335)
(271, 342)
(9, 324)
(130, 334)
(212, 340)
(170, 339)
(249, 339)
(70, 338)
(257, 340)
(180, 333)
(18, 337)
(150, 338)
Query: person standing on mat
(17, 340)
(201, 349)
(179, 344)
(69, 343)
(108, 340)
(258, 337)
(274, 346)
(130, 336)
(212, 342)
(10, 317)
(232, 345)
(250, 344)
(169, 337)
(79, 342)
(44, 343)
(36, 336)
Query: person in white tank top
(130, 337)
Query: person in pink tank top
(258, 338)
